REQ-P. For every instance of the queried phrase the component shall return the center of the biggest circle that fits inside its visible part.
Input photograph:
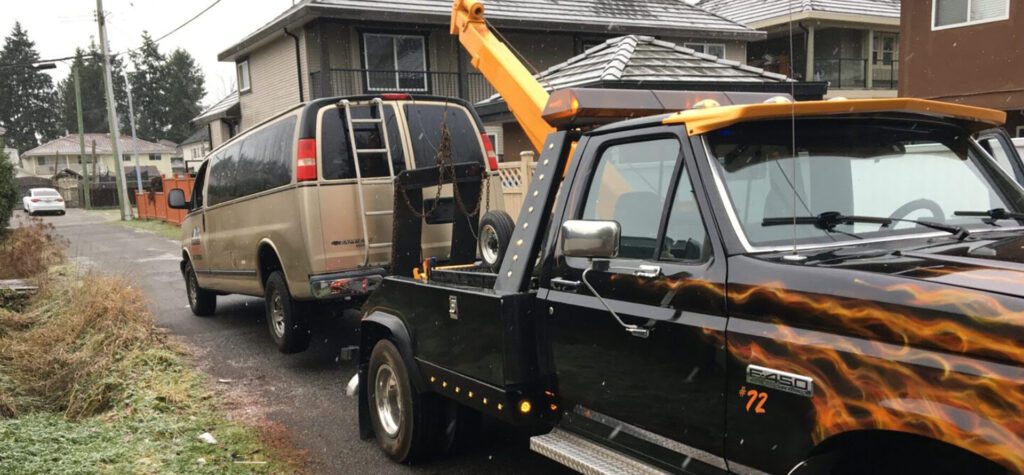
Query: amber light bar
(579, 106)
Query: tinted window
(197, 187)
(630, 185)
(258, 162)
(686, 239)
(425, 125)
(336, 152)
(46, 193)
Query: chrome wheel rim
(192, 284)
(489, 244)
(388, 400)
(277, 314)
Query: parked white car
(43, 200)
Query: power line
(190, 20)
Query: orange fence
(153, 205)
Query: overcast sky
(59, 26)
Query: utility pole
(135, 140)
(115, 134)
(81, 142)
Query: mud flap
(365, 428)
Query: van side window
(686, 239)
(197, 188)
(425, 130)
(630, 185)
(265, 159)
(223, 176)
(336, 152)
(255, 163)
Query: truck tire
(460, 427)
(404, 423)
(496, 229)
(286, 318)
(202, 302)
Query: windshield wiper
(830, 219)
(993, 215)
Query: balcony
(852, 73)
(345, 82)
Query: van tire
(286, 317)
(496, 229)
(410, 438)
(202, 302)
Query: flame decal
(934, 360)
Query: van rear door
(340, 217)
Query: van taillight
(492, 158)
(305, 163)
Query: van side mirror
(176, 199)
(591, 239)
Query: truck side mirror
(591, 239)
(176, 199)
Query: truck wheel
(202, 302)
(286, 318)
(496, 229)
(403, 422)
(460, 427)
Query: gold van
(296, 211)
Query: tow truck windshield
(909, 174)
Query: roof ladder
(382, 126)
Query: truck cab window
(686, 239)
(630, 185)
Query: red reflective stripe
(305, 163)
(396, 96)
(492, 158)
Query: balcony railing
(851, 73)
(344, 82)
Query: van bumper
(346, 284)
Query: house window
(714, 49)
(954, 13)
(41, 160)
(244, 83)
(395, 62)
(885, 49)
(155, 157)
(1020, 131)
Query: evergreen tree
(150, 83)
(186, 87)
(94, 102)
(28, 102)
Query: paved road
(304, 392)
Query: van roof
(700, 121)
(311, 108)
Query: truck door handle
(558, 283)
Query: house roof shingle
(202, 134)
(753, 11)
(68, 145)
(223, 108)
(643, 59)
(656, 17)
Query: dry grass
(30, 249)
(63, 353)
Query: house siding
(273, 77)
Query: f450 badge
(780, 380)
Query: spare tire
(496, 229)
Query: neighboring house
(322, 48)
(177, 160)
(63, 153)
(195, 147)
(854, 45)
(221, 120)
(966, 51)
(641, 62)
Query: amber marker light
(525, 407)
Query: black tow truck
(743, 286)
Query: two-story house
(854, 45)
(966, 51)
(65, 154)
(321, 48)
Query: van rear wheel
(286, 317)
(496, 229)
